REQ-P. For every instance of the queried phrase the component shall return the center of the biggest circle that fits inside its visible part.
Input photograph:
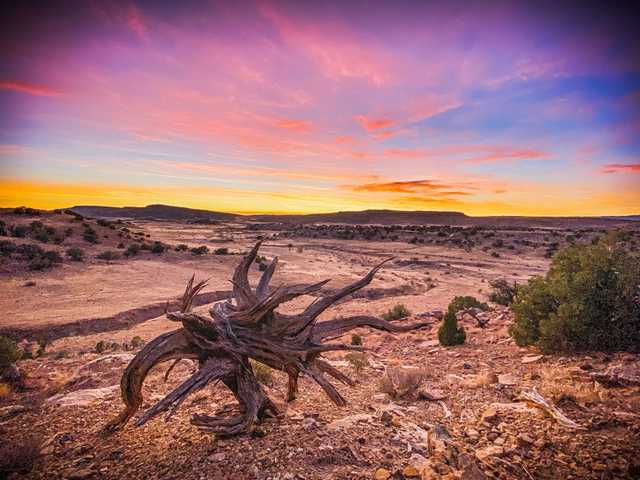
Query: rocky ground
(461, 417)
(418, 410)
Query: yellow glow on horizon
(50, 196)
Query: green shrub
(503, 292)
(397, 312)
(26, 211)
(101, 346)
(157, 248)
(262, 267)
(19, 231)
(132, 250)
(90, 235)
(108, 255)
(462, 303)
(75, 254)
(7, 247)
(137, 342)
(449, 333)
(45, 260)
(221, 251)
(9, 352)
(356, 339)
(182, 247)
(200, 250)
(588, 300)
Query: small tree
(588, 300)
(449, 333)
(397, 312)
(9, 352)
(75, 254)
(503, 292)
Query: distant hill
(376, 217)
(380, 217)
(153, 212)
(389, 217)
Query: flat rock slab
(82, 398)
(532, 358)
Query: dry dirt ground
(479, 428)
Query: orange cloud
(373, 124)
(621, 167)
(298, 126)
(28, 88)
(410, 186)
(502, 154)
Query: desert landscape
(416, 409)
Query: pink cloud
(621, 167)
(28, 88)
(372, 124)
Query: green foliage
(462, 303)
(19, 231)
(132, 250)
(75, 254)
(200, 250)
(182, 247)
(449, 333)
(7, 247)
(9, 352)
(26, 211)
(101, 346)
(503, 292)
(588, 300)
(108, 255)
(45, 260)
(356, 339)
(137, 342)
(157, 248)
(90, 235)
(221, 251)
(397, 312)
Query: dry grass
(557, 384)
(5, 390)
(402, 381)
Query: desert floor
(478, 429)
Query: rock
(410, 472)
(430, 395)
(531, 358)
(473, 434)
(507, 379)
(429, 344)
(525, 439)
(11, 411)
(82, 398)
(467, 366)
(499, 441)
(380, 398)
(627, 375)
(217, 457)
(490, 415)
(348, 421)
(489, 451)
(382, 474)
(470, 471)
(386, 418)
(80, 474)
(308, 423)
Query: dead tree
(242, 328)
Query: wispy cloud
(621, 167)
(28, 88)
(373, 124)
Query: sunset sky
(489, 108)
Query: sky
(488, 108)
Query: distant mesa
(365, 217)
(154, 212)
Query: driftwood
(243, 328)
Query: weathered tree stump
(242, 328)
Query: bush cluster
(588, 300)
(397, 312)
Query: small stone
(491, 436)
(11, 411)
(467, 366)
(540, 443)
(217, 457)
(532, 358)
(490, 451)
(507, 379)
(382, 474)
(410, 472)
(525, 439)
(490, 415)
(308, 423)
(430, 395)
(386, 418)
(499, 441)
(81, 474)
